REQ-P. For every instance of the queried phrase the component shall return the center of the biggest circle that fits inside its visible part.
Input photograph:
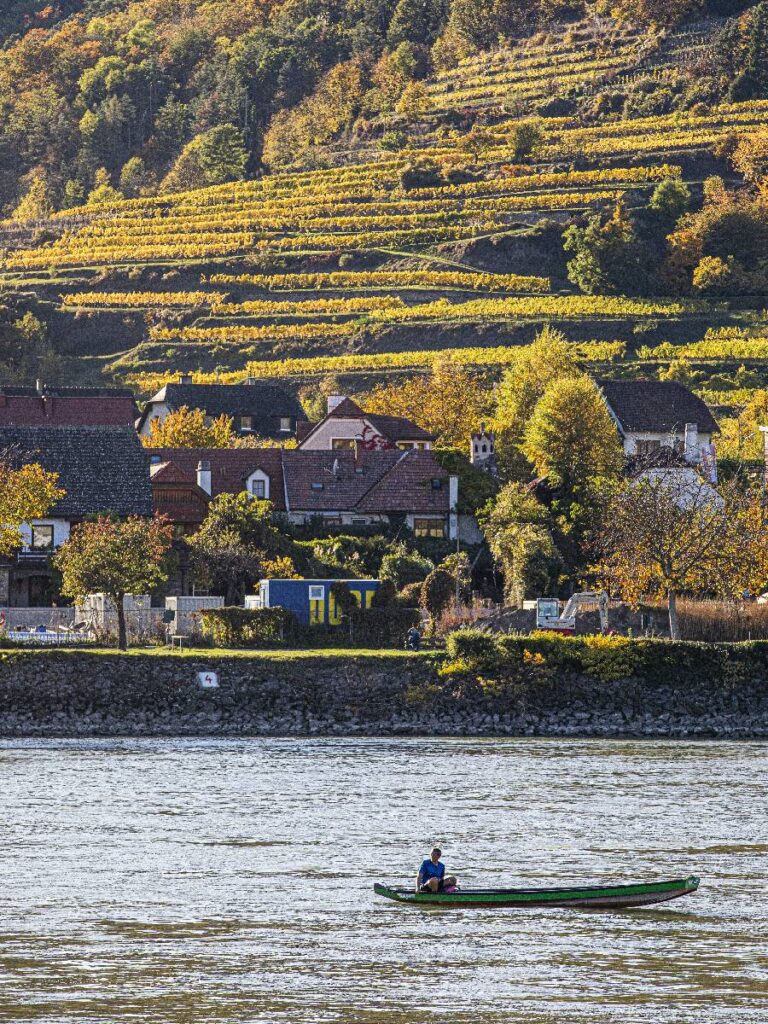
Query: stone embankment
(79, 694)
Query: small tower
(483, 451)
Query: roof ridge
(384, 475)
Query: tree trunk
(674, 628)
(122, 641)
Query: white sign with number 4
(208, 680)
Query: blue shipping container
(311, 601)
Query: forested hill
(162, 94)
(352, 190)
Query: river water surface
(195, 881)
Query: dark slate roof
(393, 428)
(347, 407)
(230, 468)
(398, 428)
(102, 469)
(266, 403)
(656, 406)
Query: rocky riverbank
(80, 694)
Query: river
(227, 881)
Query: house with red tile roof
(43, 406)
(346, 425)
(338, 487)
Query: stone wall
(77, 693)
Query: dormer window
(437, 483)
(257, 485)
(317, 487)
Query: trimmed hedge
(278, 627)
(250, 627)
(475, 654)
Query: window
(285, 424)
(647, 447)
(316, 593)
(332, 520)
(246, 422)
(429, 527)
(342, 442)
(317, 487)
(42, 538)
(258, 484)
(437, 483)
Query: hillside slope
(434, 226)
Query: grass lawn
(222, 652)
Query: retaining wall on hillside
(76, 693)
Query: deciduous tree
(450, 403)
(571, 438)
(668, 534)
(27, 492)
(187, 428)
(114, 557)
(549, 358)
(519, 532)
(236, 545)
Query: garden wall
(694, 690)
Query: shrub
(410, 595)
(342, 595)
(438, 590)
(472, 645)
(385, 596)
(423, 174)
(403, 567)
(383, 627)
(246, 627)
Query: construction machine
(549, 614)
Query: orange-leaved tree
(450, 402)
(670, 533)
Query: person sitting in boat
(431, 877)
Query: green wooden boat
(599, 896)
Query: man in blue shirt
(431, 877)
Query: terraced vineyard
(353, 269)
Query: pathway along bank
(704, 691)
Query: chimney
(691, 447)
(39, 387)
(185, 378)
(204, 475)
(334, 401)
(453, 507)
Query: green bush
(410, 595)
(472, 645)
(402, 567)
(250, 627)
(383, 627)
